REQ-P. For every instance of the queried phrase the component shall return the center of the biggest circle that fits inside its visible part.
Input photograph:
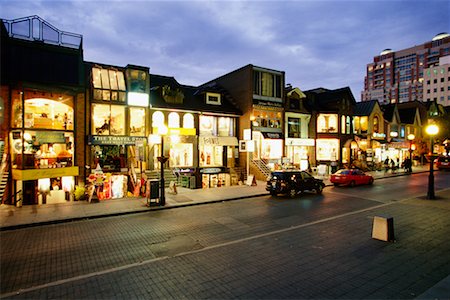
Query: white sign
(247, 134)
(300, 142)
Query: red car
(443, 163)
(350, 177)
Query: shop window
(294, 127)
(226, 126)
(327, 123)
(108, 119)
(342, 124)
(137, 121)
(174, 120)
(348, 125)
(364, 123)
(181, 155)
(157, 119)
(42, 149)
(45, 111)
(109, 85)
(375, 124)
(327, 149)
(207, 125)
(268, 119)
(17, 109)
(188, 121)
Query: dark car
(350, 177)
(293, 182)
(443, 163)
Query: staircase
(4, 173)
(156, 174)
(260, 169)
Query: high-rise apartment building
(398, 76)
(436, 82)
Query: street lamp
(431, 130)
(162, 131)
(411, 137)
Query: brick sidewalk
(31, 215)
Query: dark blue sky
(317, 43)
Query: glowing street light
(431, 130)
(411, 138)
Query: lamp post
(431, 130)
(411, 137)
(162, 131)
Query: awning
(273, 135)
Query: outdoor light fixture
(411, 137)
(431, 130)
(162, 131)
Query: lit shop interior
(42, 142)
(267, 136)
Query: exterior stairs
(156, 174)
(259, 168)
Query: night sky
(317, 43)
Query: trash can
(154, 191)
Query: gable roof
(364, 108)
(325, 100)
(407, 115)
(192, 98)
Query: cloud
(317, 43)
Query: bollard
(383, 228)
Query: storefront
(269, 147)
(42, 146)
(217, 149)
(119, 158)
(298, 152)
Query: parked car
(443, 163)
(293, 182)
(350, 177)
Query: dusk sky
(317, 43)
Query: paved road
(267, 247)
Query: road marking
(149, 261)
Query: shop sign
(54, 137)
(377, 135)
(210, 141)
(113, 140)
(210, 170)
(219, 141)
(35, 174)
(273, 135)
(300, 142)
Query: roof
(188, 97)
(407, 115)
(388, 111)
(325, 100)
(364, 108)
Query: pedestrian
(386, 165)
(393, 166)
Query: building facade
(398, 76)
(436, 84)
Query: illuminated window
(174, 120)
(327, 123)
(137, 121)
(207, 125)
(108, 119)
(188, 121)
(157, 119)
(375, 124)
(109, 84)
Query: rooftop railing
(34, 28)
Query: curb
(157, 208)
